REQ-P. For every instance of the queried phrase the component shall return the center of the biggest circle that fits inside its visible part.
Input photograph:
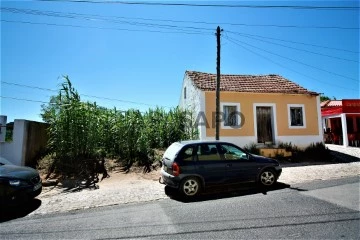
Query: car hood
(262, 159)
(17, 172)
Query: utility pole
(217, 84)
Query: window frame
(198, 146)
(238, 119)
(247, 159)
(184, 149)
(302, 106)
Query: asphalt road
(316, 210)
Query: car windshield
(4, 161)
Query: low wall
(29, 141)
(36, 142)
(272, 152)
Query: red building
(341, 118)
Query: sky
(135, 55)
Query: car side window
(233, 153)
(187, 153)
(208, 152)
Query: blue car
(192, 166)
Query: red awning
(331, 111)
(344, 106)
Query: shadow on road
(12, 211)
(343, 157)
(220, 192)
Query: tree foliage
(325, 98)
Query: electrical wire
(85, 95)
(60, 105)
(92, 18)
(303, 50)
(304, 7)
(106, 28)
(27, 100)
(299, 62)
(285, 67)
(289, 41)
(111, 19)
(104, 18)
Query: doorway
(264, 120)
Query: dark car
(18, 183)
(190, 166)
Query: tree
(324, 98)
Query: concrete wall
(37, 139)
(2, 128)
(29, 140)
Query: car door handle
(228, 165)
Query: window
(184, 92)
(231, 115)
(232, 153)
(187, 153)
(296, 116)
(208, 152)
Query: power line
(106, 18)
(98, 17)
(304, 7)
(289, 41)
(283, 66)
(302, 63)
(316, 53)
(92, 17)
(106, 28)
(27, 86)
(27, 100)
(85, 95)
(60, 105)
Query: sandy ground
(123, 188)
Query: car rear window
(171, 151)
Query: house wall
(312, 132)
(194, 102)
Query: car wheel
(267, 178)
(190, 187)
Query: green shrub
(317, 152)
(252, 148)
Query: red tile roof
(324, 103)
(247, 83)
(331, 103)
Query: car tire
(267, 178)
(190, 187)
